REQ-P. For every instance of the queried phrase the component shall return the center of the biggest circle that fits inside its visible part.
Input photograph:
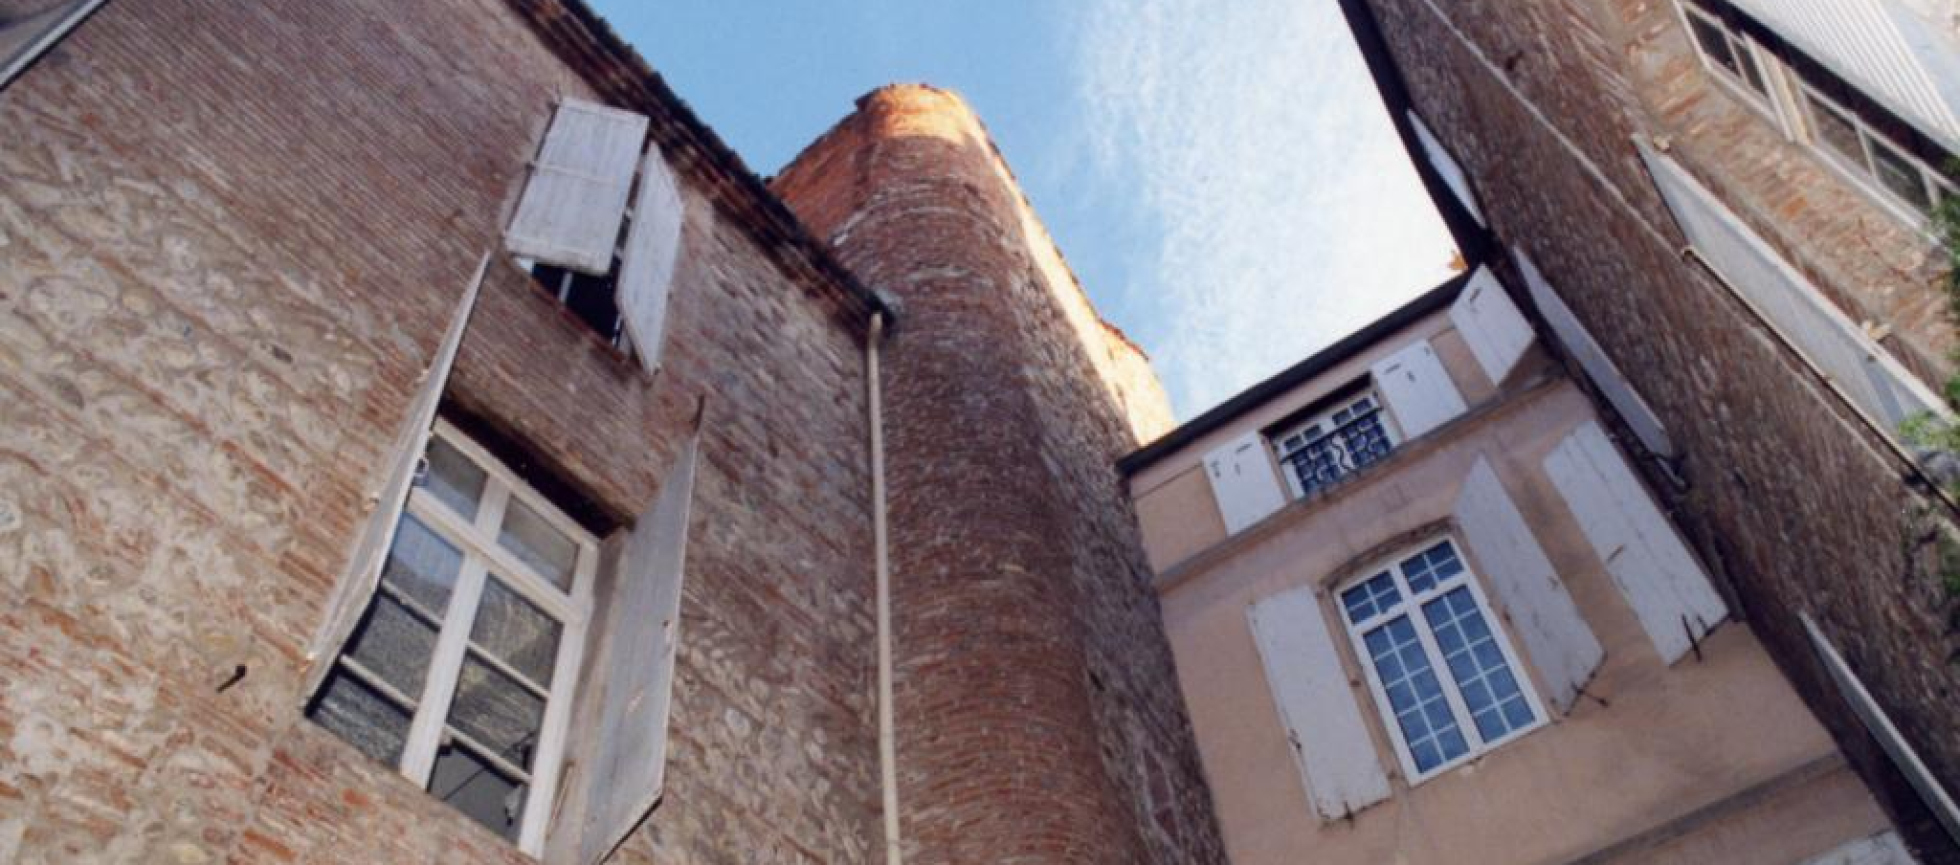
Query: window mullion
(426, 733)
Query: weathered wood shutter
(653, 246)
(625, 762)
(572, 206)
(1337, 760)
(1592, 358)
(1243, 481)
(1446, 165)
(1417, 389)
(1523, 580)
(1670, 593)
(1496, 331)
(388, 498)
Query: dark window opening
(593, 299)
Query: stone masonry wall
(1800, 506)
(230, 235)
(1037, 707)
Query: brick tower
(1037, 709)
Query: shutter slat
(1592, 358)
(646, 273)
(370, 548)
(1496, 331)
(570, 213)
(1338, 763)
(1243, 481)
(1417, 389)
(1523, 579)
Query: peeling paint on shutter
(1668, 589)
(1446, 165)
(1496, 331)
(1592, 358)
(1243, 481)
(1337, 761)
(653, 244)
(390, 496)
(572, 206)
(1536, 602)
(1417, 389)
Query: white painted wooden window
(1731, 56)
(1243, 482)
(1323, 722)
(28, 28)
(1418, 389)
(1497, 333)
(1605, 374)
(1334, 442)
(1443, 674)
(460, 672)
(1446, 165)
(1875, 162)
(1669, 591)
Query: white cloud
(1251, 133)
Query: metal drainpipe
(887, 735)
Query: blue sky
(1219, 173)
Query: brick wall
(1037, 708)
(230, 234)
(1800, 506)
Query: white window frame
(1410, 605)
(477, 539)
(1281, 452)
(1746, 50)
(1865, 176)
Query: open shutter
(1243, 481)
(1518, 573)
(1323, 723)
(625, 765)
(1446, 165)
(1669, 591)
(1592, 358)
(652, 247)
(1496, 331)
(390, 496)
(1418, 390)
(572, 205)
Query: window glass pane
(1752, 73)
(1714, 42)
(1415, 695)
(422, 565)
(517, 632)
(394, 644)
(1368, 599)
(497, 711)
(536, 543)
(1900, 175)
(1835, 130)
(453, 479)
(1429, 567)
(479, 789)
(1490, 689)
(361, 716)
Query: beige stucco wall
(1673, 742)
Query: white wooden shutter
(388, 498)
(1523, 580)
(1496, 331)
(1446, 165)
(1417, 389)
(1243, 481)
(1337, 760)
(1885, 848)
(572, 206)
(626, 762)
(1670, 593)
(653, 246)
(1592, 358)
(26, 38)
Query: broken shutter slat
(1337, 761)
(653, 244)
(1592, 358)
(570, 213)
(390, 496)
(1669, 591)
(1417, 389)
(1243, 481)
(1496, 331)
(1524, 581)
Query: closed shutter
(1521, 577)
(1592, 358)
(1323, 722)
(625, 757)
(1496, 331)
(1446, 165)
(1670, 593)
(652, 248)
(389, 497)
(1243, 481)
(1417, 389)
(572, 205)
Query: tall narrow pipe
(887, 732)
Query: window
(593, 299)
(1334, 443)
(1729, 53)
(30, 27)
(1446, 681)
(461, 668)
(1873, 159)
